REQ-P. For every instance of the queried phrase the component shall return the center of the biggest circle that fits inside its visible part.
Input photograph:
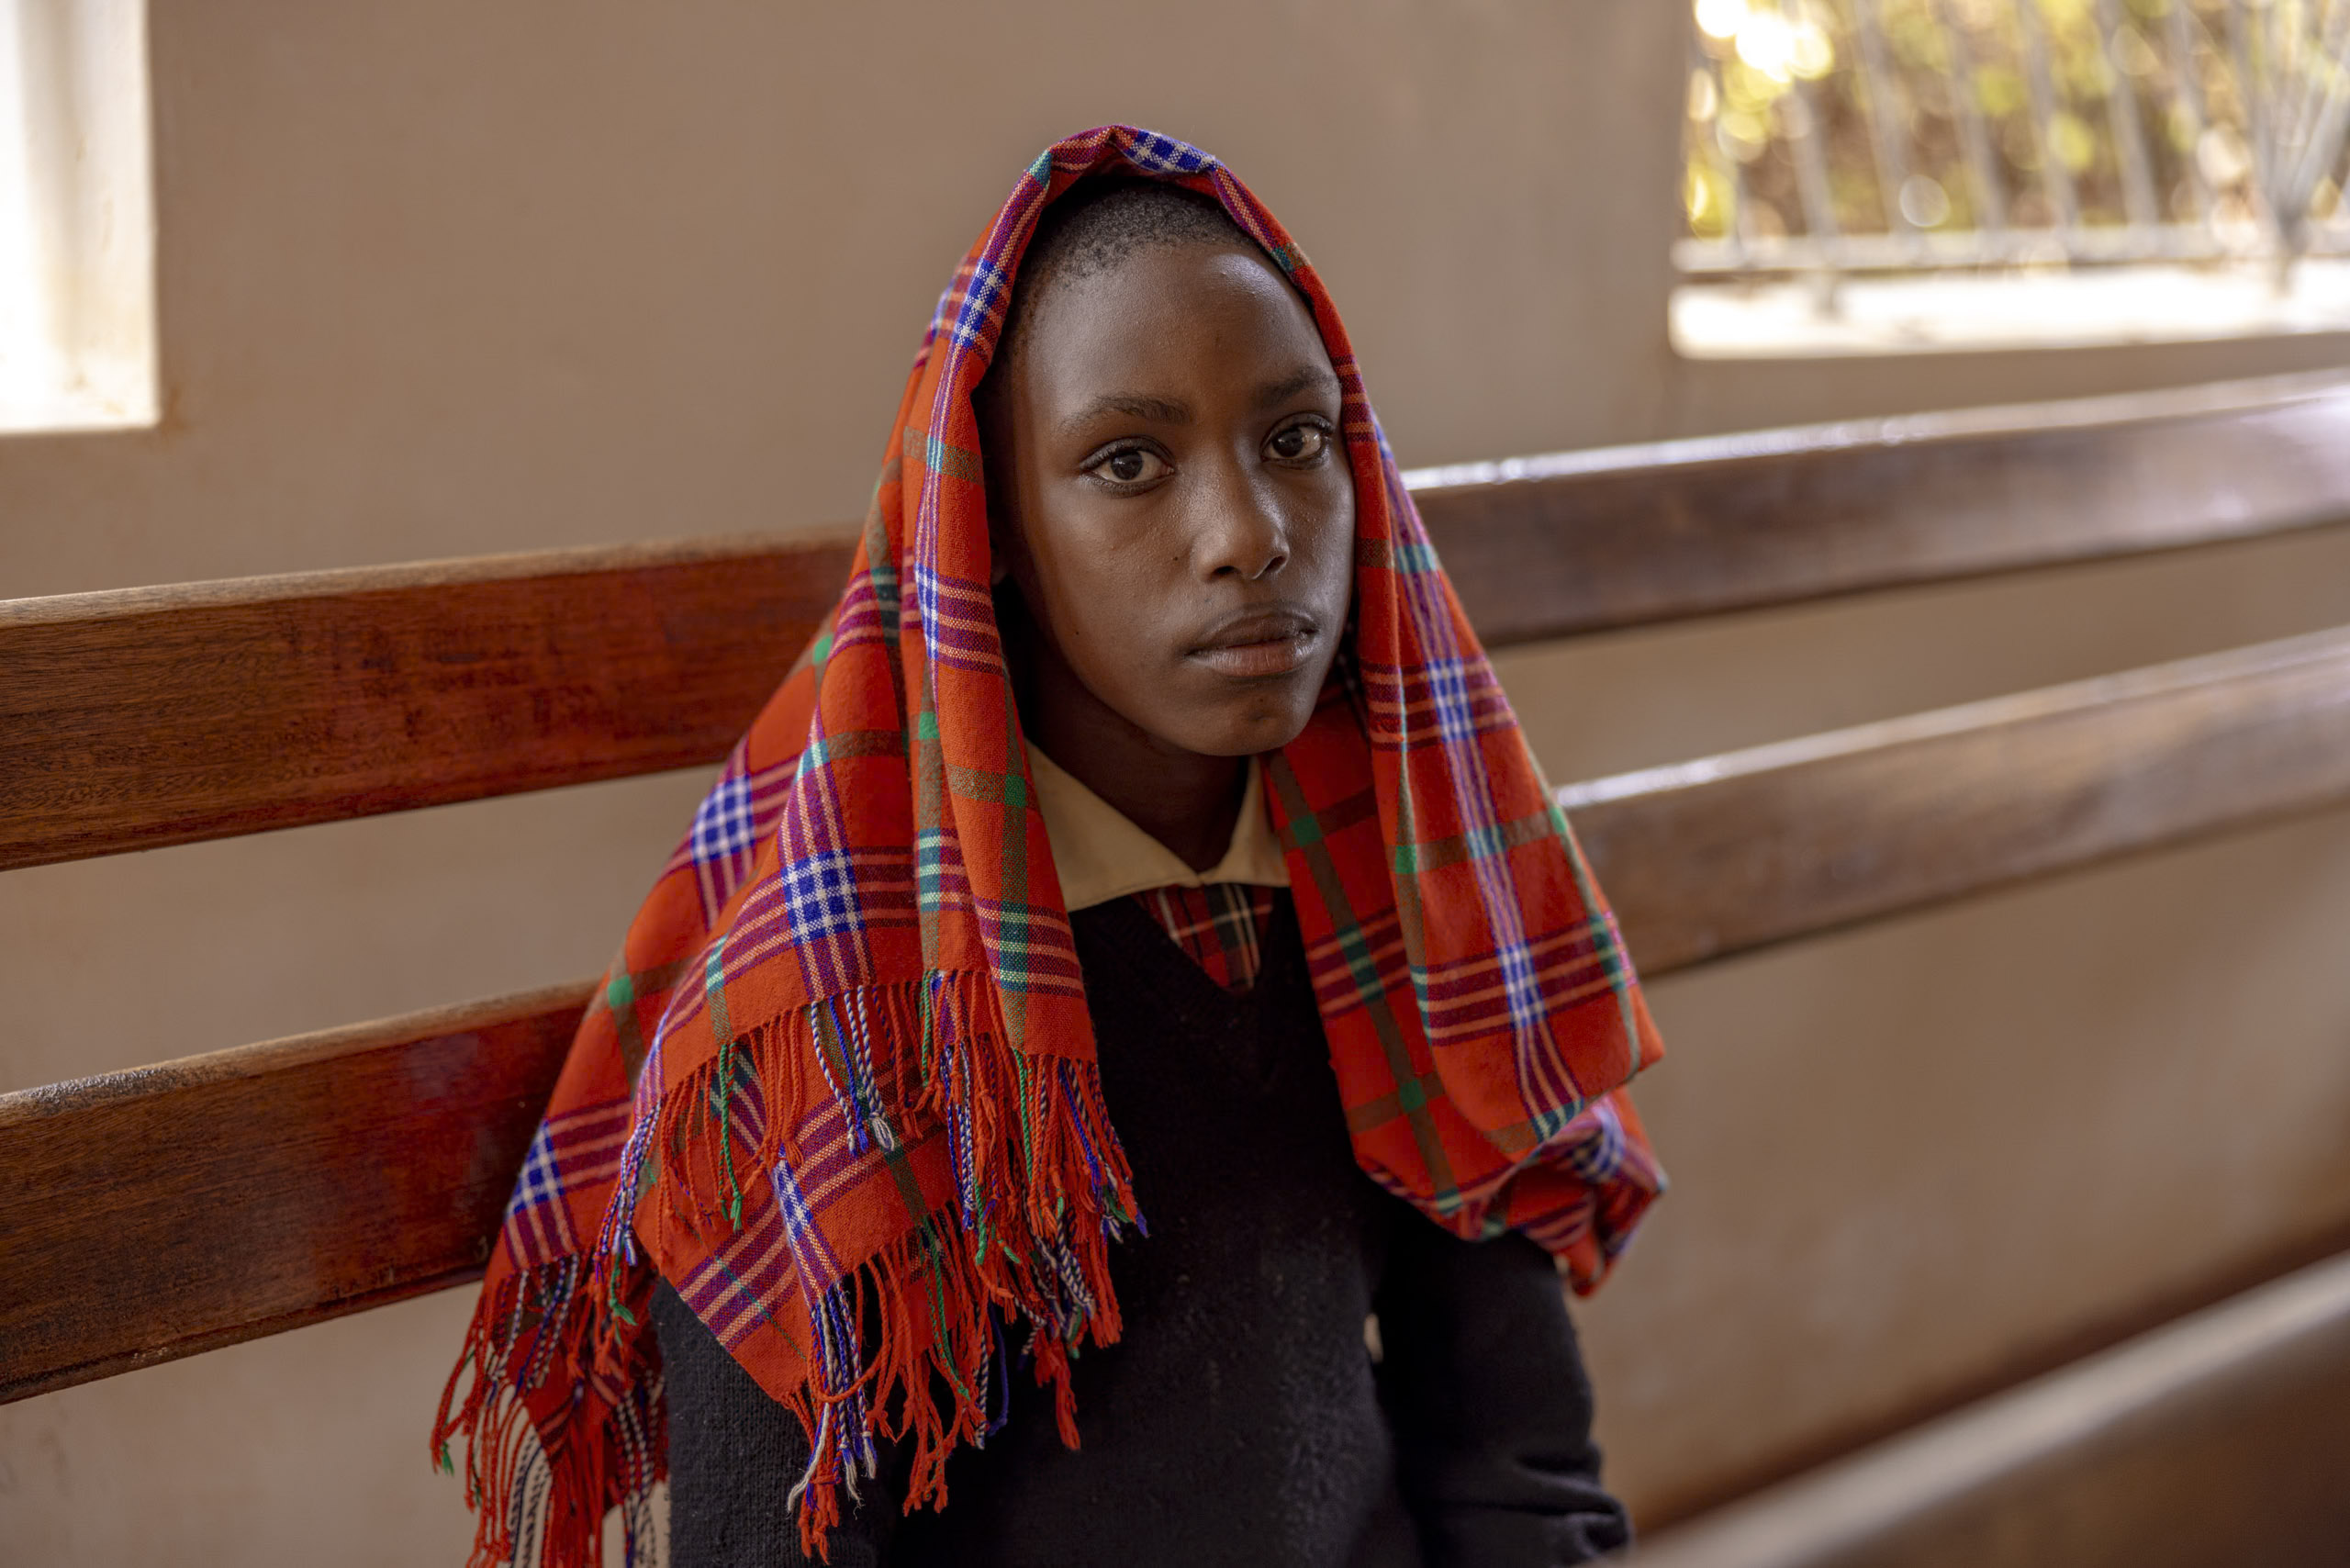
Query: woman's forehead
(1207, 317)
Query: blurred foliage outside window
(1827, 136)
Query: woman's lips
(1274, 655)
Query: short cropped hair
(1096, 225)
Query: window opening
(77, 308)
(2040, 167)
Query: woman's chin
(1243, 733)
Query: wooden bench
(2222, 1438)
(246, 1191)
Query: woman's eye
(1299, 443)
(1131, 465)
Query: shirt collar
(1102, 855)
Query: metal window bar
(1844, 136)
(2121, 110)
(1882, 104)
(2183, 32)
(2252, 91)
(2055, 167)
(1983, 177)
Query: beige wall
(441, 278)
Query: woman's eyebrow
(1135, 404)
(1299, 380)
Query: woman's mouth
(1260, 644)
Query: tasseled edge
(1611, 1179)
(900, 1349)
(552, 1444)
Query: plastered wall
(441, 278)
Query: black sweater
(1242, 1418)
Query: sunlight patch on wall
(77, 229)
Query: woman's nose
(1243, 534)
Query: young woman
(1136, 926)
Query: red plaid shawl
(866, 1137)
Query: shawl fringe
(902, 1348)
(550, 1449)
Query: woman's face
(1171, 496)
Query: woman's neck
(1185, 799)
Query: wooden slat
(1736, 852)
(159, 1211)
(153, 716)
(1583, 541)
(157, 716)
(256, 1189)
(2223, 1437)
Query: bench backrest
(244, 1192)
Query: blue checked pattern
(1455, 674)
(1450, 684)
(722, 825)
(983, 295)
(719, 847)
(1597, 1154)
(571, 1154)
(1519, 981)
(821, 891)
(811, 1253)
(1164, 155)
(538, 1226)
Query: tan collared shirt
(1102, 855)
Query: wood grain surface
(151, 716)
(167, 1210)
(2223, 1437)
(232, 1195)
(1736, 852)
(155, 716)
(1583, 541)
